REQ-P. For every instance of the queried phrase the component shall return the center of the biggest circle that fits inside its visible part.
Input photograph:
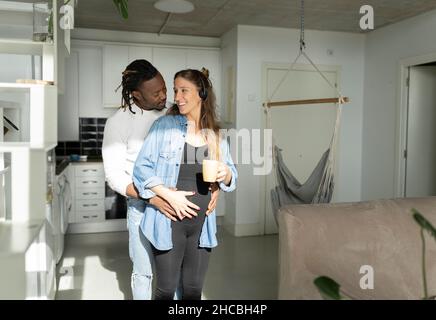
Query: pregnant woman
(171, 157)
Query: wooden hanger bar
(309, 101)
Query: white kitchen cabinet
(84, 97)
(90, 82)
(68, 112)
(169, 61)
(211, 60)
(88, 192)
(140, 52)
(115, 60)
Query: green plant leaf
(328, 288)
(122, 8)
(50, 23)
(424, 223)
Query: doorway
(303, 132)
(418, 176)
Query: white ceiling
(215, 17)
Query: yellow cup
(210, 170)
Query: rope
(322, 74)
(303, 53)
(302, 43)
(284, 78)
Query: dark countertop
(63, 162)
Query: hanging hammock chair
(319, 187)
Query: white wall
(385, 48)
(229, 58)
(257, 45)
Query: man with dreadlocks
(144, 96)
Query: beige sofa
(336, 240)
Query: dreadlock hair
(209, 124)
(135, 74)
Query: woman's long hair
(209, 124)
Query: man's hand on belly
(164, 207)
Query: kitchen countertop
(61, 165)
(63, 162)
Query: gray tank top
(191, 178)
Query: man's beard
(148, 107)
(161, 106)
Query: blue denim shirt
(158, 163)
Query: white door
(303, 132)
(140, 53)
(421, 137)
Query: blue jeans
(140, 251)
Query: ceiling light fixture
(174, 6)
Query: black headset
(203, 90)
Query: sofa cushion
(336, 240)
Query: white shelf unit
(41, 111)
(26, 257)
(47, 51)
(24, 46)
(28, 172)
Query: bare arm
(215, 192)
(131, 191)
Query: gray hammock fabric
(290, 191)
(319, 186)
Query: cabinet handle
(88, 193)
(90, 205)
(90, 181)
(88, 217)
(87, 170)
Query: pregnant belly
(202, 194)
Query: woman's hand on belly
(178, 201)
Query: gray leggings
(186, 257)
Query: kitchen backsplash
(91, 139)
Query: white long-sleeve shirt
(124, 134)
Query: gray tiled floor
(97, 266)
